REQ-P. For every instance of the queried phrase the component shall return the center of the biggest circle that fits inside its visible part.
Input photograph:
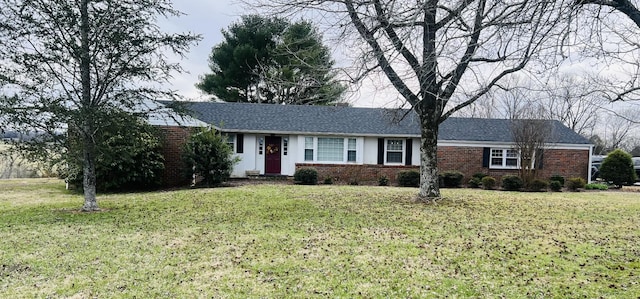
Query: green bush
(409, 178)
(594, 186)
(617, 168)
(451, 179)
(555, 186)
(129, 158)
(207, 155)
(383, 181)
(479, 175)
(538, 185)
(557, 178)
(474, 182)
(488, 182)
(328, 180)
(574, 184)
(306, 176)
(512, 183)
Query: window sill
(504, 168)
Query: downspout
(589, 174)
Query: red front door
(273, 155)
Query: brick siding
(467, 160)
(173, 138)
(366, 174)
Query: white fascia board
(565, 146)
(175, 121)
(160, 115)
(263, 132)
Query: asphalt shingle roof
(269, 118)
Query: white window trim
(345, 149)
(231, 140)
(386, 150)
(355, 149)
(504, 159)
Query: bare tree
(530, 134)
(605, 33)
(427, 48)
(617, 131)
(573, 103)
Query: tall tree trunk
(429, 181)
(89, 176)
(89, 170)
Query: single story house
(361, 144)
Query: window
(351, 150)
(331, 149)
(231, 140)
(308, 148)
(285, 145)
(505, 158)
(395, 150)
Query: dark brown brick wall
(367, 174)
(468, 160)
(173, 138)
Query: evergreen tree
(617, 168)
(68, 64)
(270, 60)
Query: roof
(340, 120)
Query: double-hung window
(504, 158)
(231, 140)
(308, 148)
(330, 149)
(394, 151)
(351, 150)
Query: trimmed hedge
(451, 179)
(538, 185)
(409, 178)
(574, 184)
(306, 176)
(555, 186)
(512, 183)
(488, 182)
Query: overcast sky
(208, 18)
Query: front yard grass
(317, 241)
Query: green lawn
(280, 241)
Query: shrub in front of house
(474, 182)
(595, 186)
(207, 155)
(328, 180)
(383, 181)
(557, 178)
(574, 184)
(479, 175)
(409, 178)
(512, 183)
(555, 186)
(451, 179)
(129, 159)
(306, 176)
(538, 185)
(617, 168)
(488, 182)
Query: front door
(272, 155)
